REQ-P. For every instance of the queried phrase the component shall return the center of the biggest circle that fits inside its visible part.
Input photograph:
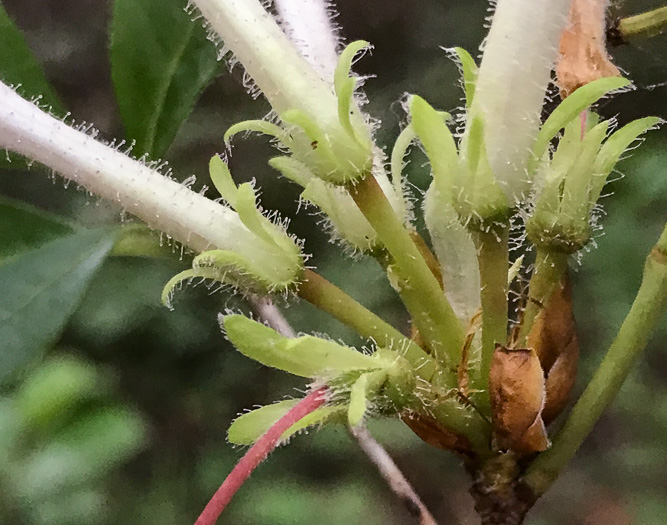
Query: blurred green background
(124, 419)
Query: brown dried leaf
(583, 52)
(534, 439)
(433, 433)
(517, 392)
(554, 339)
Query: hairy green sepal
(569, 184)
(337, 152)
(269, 261)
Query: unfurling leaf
(517, 391)
(554, 339)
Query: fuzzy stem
(308, 25)
(520, 51)
(287, 80)
(431, 312)
(163, 203)
(258, 453)
(632, 338)
(643, 25)
(547, 273)
(493, 257)
(329, 298)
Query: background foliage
(114, 410)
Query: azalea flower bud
(325, 128)
(253, 252)
(519, 53)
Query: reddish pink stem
(258, 453)
(583, 116)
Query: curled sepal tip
(431, 129)
(186, 275)
(259, 126)
(344, 84)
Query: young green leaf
(55, 389)
(41, 288)
(305, 356)
(19, 66)
(23, 227)
(247, 428)
(160, 63)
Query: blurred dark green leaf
(40, 290)
(23, 226)
(160, 63)
(55, 388)
(19, 66)
(87, 449)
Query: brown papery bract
(433, 433)
(554, 339)
(517, 393)
(583, 52)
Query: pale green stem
(450, 412)
(550, 265)
(644, 25)
(329, 298)
(430, 311)
(632, 338)
(493, 257)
